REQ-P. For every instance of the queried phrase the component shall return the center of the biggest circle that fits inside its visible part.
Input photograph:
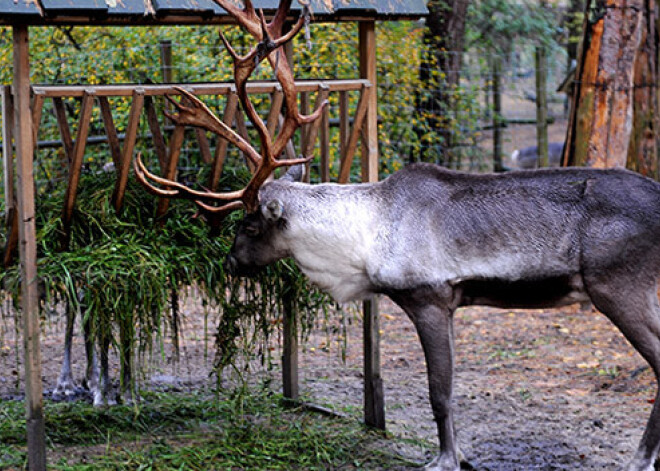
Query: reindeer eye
(252, 231)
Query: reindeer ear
(295, 173)
(272, 210)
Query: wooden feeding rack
(168, 155)
(22, 106)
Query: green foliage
(121, 271)
(493, 25)
(194, 431)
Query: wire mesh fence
(413, 123)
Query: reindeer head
(256, 243)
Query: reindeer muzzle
(235, 268)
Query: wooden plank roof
(155, 12)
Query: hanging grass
(125, 272)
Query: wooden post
(309, 142)
(344, 121)
(65, 132)
(129, 146)
(37, 108)
(290, 347)
(374, 404)
(290, 376)
(110, 131)
(221, 143)
(166, 60)
(541, 106)
(370, 127)
(166, 71)
(325, 146)
(7, 150)
(11, 214)
(36, 438)
(75, 166)
(348, 151)
(157, 136)
(497, 114)
(176, 141)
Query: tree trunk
(614, 118)
(440, 73)
(643, 147)
(573, 26)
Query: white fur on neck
(332, 246)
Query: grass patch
(193, 431)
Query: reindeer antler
(270, 40)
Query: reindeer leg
(102, 398)
(126, 345)
(92, 370)
(65, 385)
(433, 318)
(632, 305)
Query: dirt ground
(535, 390)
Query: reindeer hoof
(101, 400)
(64, 389)
(443, 463)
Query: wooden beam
(75, 167)
(7, 145)
(191, 17)
(541, 61)
(37, 109)
(242, 129)
(127, 151)
(290, 372)
(374, 404)
(110, 131)
(11, 212)
(204, 146)
(12, 237)
(166, 60)
(374, 400)
(65, 131)
(313, 129)
(157, 136)
(497, 113)
(222, 143)
(305, 105)
(200, 88)
(344, 121)
(290, 376)
(351, 144)
(289, 150)
(36, 437)
(325, 146)
(276, 101)
(367, 46)
(176, 141)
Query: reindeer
(528, 157)
(434, 240)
